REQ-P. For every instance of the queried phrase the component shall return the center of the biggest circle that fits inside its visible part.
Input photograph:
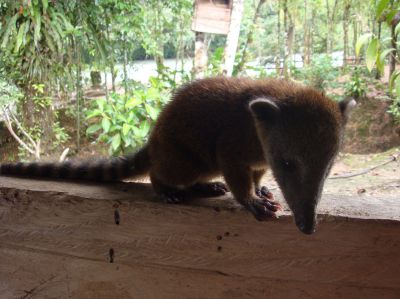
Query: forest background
(90, 77)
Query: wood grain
(55, 240)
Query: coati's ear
(346, 106)
(264, 109)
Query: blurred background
(82, 78)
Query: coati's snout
(300, 138)
(306, 220)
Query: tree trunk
(113, 74)
(125, 54)
(179, 49)
(289, 28)
(346, 15)
(37, 116)
(330, 19)
(200, 61)
(355, 37)
(95, 79)
(312, 30)
(106, 86)
(79, 91)
(112, 54)
(306, 41)
(279, 54)
(378, 73)
(159, 54)
(392, 55)
(328, 27)
(233, 36)
(249, 39)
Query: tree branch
(364, 171)
(22, 129)
(10, 129)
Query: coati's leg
(257, 176)
(167, 193)
(262, 191)
(175, 168)
(176, 195)
(173, 177)
(210, 189)
(240, 181)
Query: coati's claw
(263, 192)
(171, 198)
(268, 198)
(210, 189)
(262, 209)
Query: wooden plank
(55, 240)
(211, 18)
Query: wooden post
(233, 36)
(200, 55)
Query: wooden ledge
(55, 241)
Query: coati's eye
(288, 165)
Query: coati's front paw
(263, 192)
(262, 209)
(210, 189)
(172, 197)
(267, 196)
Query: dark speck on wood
(117, 217)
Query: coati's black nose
(306, 225)
(305, 218)
(307, 229)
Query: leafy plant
(35, 29)
(215, 62)
(319, 73)
(124, 122)
(60, 134)
(356, 88)
(40, 99)
(376, 50)
(394, 109)
(9, 93)
(33, 43)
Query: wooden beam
(55, 241)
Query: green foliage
(394, 109)
(9, 93)
(380, 7)
(40, 98)
(35, 37)
(356, 87)
(394, 87)
(319, 73)
(46, 46)
(215, 62)
(377, 50)
(168, 79)
(375, 53)
(124, 122)
(60, 134)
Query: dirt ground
(57, 240)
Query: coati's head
(301, 136)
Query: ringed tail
(113, 169)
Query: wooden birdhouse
(212, 16)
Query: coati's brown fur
(236, 128)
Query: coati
(237, 128)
